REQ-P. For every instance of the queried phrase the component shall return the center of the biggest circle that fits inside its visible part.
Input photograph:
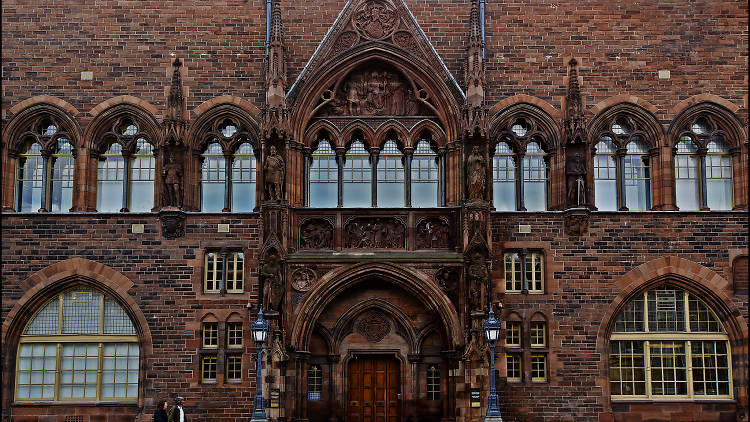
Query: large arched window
(504, 178)
(391, 177)
(357, 176)
(323, 180)
(45, 168)
(80, 346)
(622, 167)
(425, 176)
(668, 344)
(213, 178)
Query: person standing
(177, 413)
(161, 412)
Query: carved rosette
(303, 279)
(316, 233)
(375, 20)
(374, 326)
(405, 40)
(172, 223)
(374, 233)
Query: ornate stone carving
(345, 41)
(476, 175)
(576, 222)
(316, 233)
(447, 279)
(375, 19)
(478, 276)
(406, 41)
(303, 279)
(172, 224)
(374, 326)
(376, 92)
(375, 233)
(273, 284)
(433, 233)
(273, 175)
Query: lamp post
(259, 329)
(492, 328)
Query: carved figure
(476, 174)
(477, 280)
(316, 234)
(576, 176)
(172, 176)
(375, 92)
(374, 233)
(433, 233)
(273, 175)
(303, 279)
(273, 285)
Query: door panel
(373, 391)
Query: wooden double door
(374, 391)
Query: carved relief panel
(374, 233)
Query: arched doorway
(379, 338)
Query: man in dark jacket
(177, 413)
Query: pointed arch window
(605, 175)
(111, 180)
(31, 178)
(213, 178)
(637, 175)
(504, 178)
(718, 175)
(142, 175)
(535, 178)
(687, 178)
(668, 344)
(323, 179)
(81, 346)
(61, 189)
(357, 177)
(425, 176)
(391, 177)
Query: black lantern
(492, 328)
(259, 328)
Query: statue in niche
(477, 280)
(476, 174)
(172, 176)
(576, 179)
(273, 175)
(273, 285)
(374, 93)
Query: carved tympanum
(316, 233)
(375, 233)
(374, 92)
(433, 233)
(375, 19)
(374, 326)
(303, 279)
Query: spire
(474, 110)
(574, 118)
(275, 113)
(475, 31)
(175, 99)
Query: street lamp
(259, 329)
(492, 328)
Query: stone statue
(476, 175)
(477, 279)
(576, 179)
(172, 175)
(273, 286)
(273, 175)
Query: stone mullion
(227, 181)
(520, 201)
(340, 185)
(306, 159)
(702, 193)
(126, 158)
(739, 178)
(620, 175)
(654, 189)
(668, 181)
(194, 181)
(46, 183)
(408, 157)
(442, 176)
(374, 158)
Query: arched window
(391, 180)
(718, 175)
(314, 383)
(425, 176)
(323, 177)
(81, 345)
(213, 178)
(30, 179)
(686, 164)
(142, 171)
(605, 175)
(668, 344)
(357, 176)
(61, 186)
(637, 169)
(110, 181)
(243, 179)
(535, 180)
(504, 178)
(433, 382)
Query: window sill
(128, 402)
(671, 400)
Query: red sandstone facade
(406, 288)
